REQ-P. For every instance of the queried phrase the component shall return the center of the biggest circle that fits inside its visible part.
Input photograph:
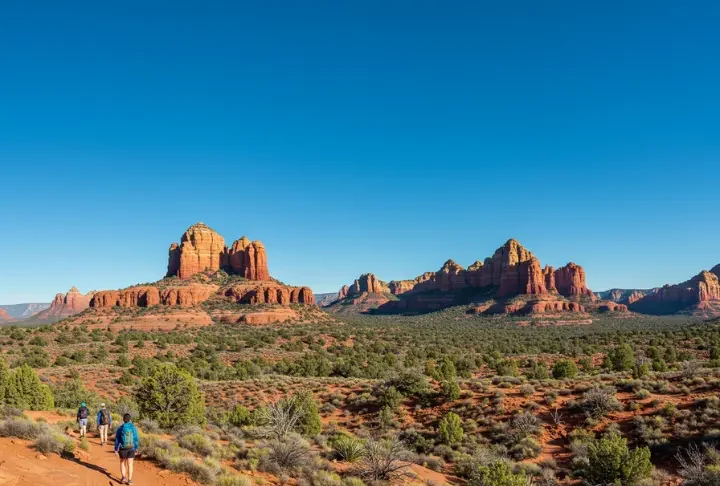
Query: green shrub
(347, 448)
(72, 393)
(48, 443)
(564, 368)
(25, 391)
(450, 429)
(497, 474)
(240, 416)
(610, 461)
(171, 397)
(197, 443)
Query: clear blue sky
(382, 136)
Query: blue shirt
(119, 434)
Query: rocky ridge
(202, 268)
(699, 293)
(65, 305)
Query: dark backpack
(104, 417)
(84, 412)
(126, 438)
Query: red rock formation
(148, 295)
(570, 281)
(65, 305)
(543, 307)
(249, 259)
(344, 291)
(699, 290)
(269, 294)
(635, 296)
(549, 275)
(368, 283)
(4, 316)
(201, 249)
(512, 269)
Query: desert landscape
(501, 373)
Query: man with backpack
(82, 418)
(126, 445)
(104, 421)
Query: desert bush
(610, 461)
(347, 448)
(197, 443)
(22, 429)
(72, 393)
(171, 397)
(239, 416)
(24, 390)
(564, 368)
(598, 402)
(450, 429)
(48, 443)
(383, 460)
(699, 467)
(289, 453)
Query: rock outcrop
(624, 296)
(65, 305)
(512, 270)
(702, 289)
(148, 296)
(570, 281)
(4, 316)
(368, 283)
(201, 249)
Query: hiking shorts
(127, 453)
(83, 422)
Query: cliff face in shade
(512, 270)
(65, 305)
(700, 290)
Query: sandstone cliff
(4, 316)
(65, 305)
(201, 249)
(699, 291)
(512, 270)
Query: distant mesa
(191, 276)
(511, 271)
(4, 316)
(23, 311)
(700, 294)
(65, 305)
(624, 296)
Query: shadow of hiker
(71, 457)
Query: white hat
(102, 405)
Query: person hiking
(82, 418)
(126, 445)
(104, 421)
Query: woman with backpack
(82, 418)
(126, 445)
(104, 421)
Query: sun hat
(102, 405)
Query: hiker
(126, 445)
(82, 418)
(104, 421)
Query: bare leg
(130, 469)
(123, 468)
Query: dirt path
(21, 465)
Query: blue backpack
(127, 439)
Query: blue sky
(382, 136)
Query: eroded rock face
(343, 293)
(269, 294)
(148, 295)
(512, 269)
(699, 290)
(570, 281)
(368, 283)
(66, 305)
(201, 249)
(4, 316)
(249, 259)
